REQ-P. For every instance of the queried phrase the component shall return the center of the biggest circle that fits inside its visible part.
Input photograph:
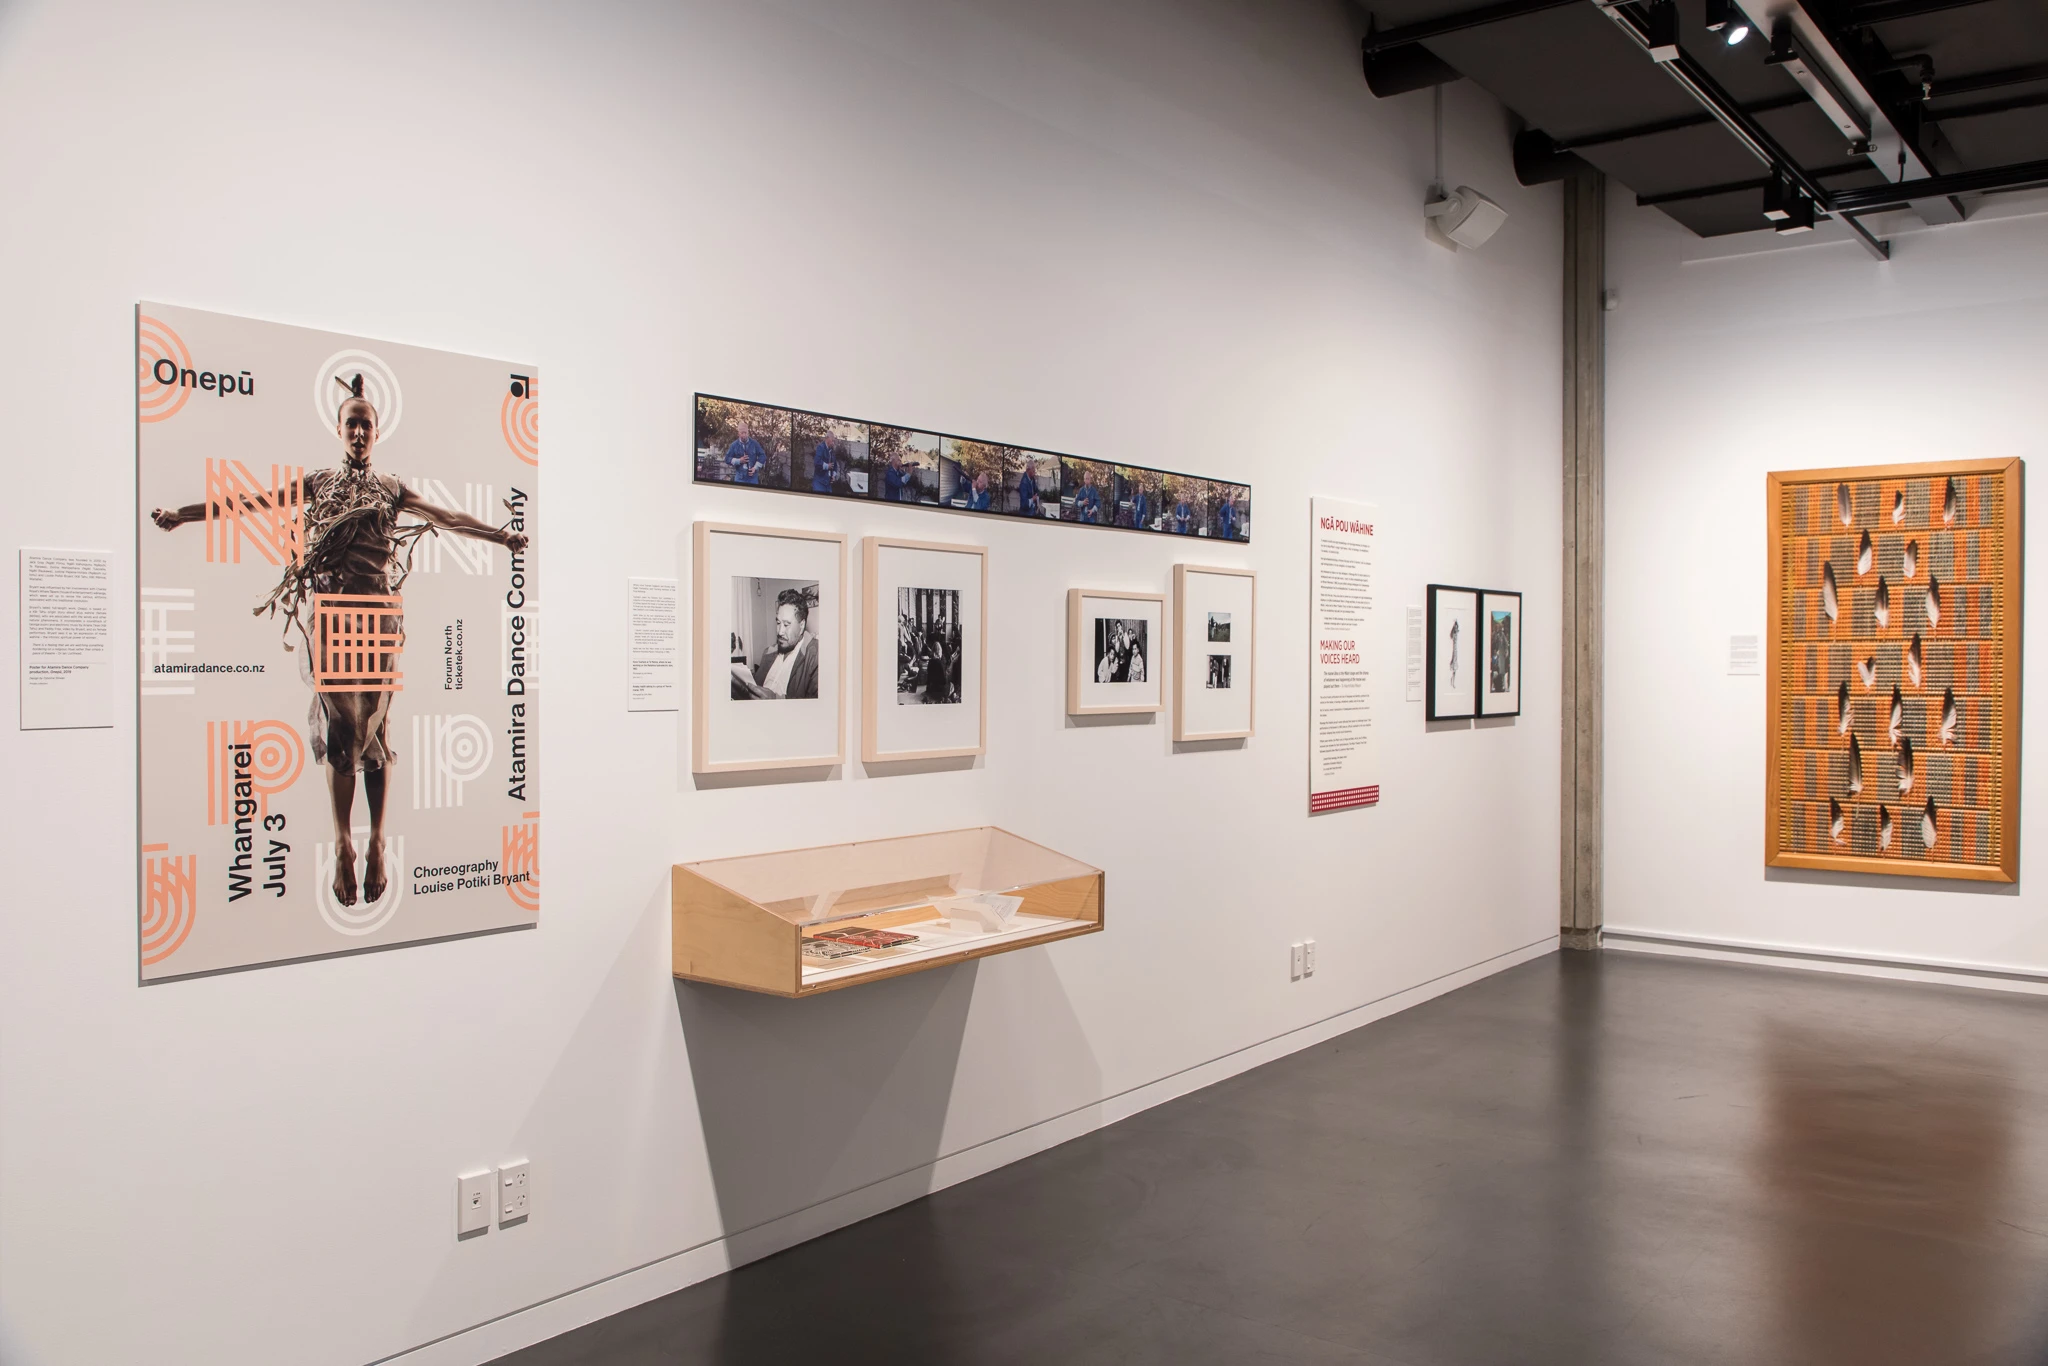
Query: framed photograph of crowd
(1893, 673)
(1451, 690)
(793, 450)
(1214, 625)
(924, 650)
(769, 606)
(1115, 642)
(1500, 673)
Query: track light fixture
(1725, 19)
(1782, 49)
(1778, 197)
(1789, 208)
(1662, 39)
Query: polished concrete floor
(1590, 1159)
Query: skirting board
(1984, 976)
(637, 1285)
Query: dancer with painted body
(353, 543)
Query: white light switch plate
(515, 1192)
(1296, 955)
(473, 1191)
(1308, 957)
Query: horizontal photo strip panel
(757, 445)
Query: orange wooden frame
(2006, 633)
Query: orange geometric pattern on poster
(519, 418)
(520, 862)
(276, 758)
(170, 890)
(158, 348)
(353, 651)
(238, 505)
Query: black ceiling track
(1978, 111)
(1651, 201)
(2024, 175)
(1647, 130)
(1884, 11)
(1989, 80)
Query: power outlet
(1297, 957)
(515, 1192)
(1308, 957)
(473, 1203)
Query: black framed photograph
(1500, 674)
(1455, 652)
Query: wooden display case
(743, 922)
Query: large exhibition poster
(1343, 763)
(339, 591)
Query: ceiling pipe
(1457, 23)
(1540, 161)
(1398, 70)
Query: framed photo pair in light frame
(1215, 625)
(924, 650)
(1115, 642)
(769, 606)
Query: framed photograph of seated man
(769, 605)
(1213, 623)
(924, 650)
(1115, 642)
(1500, 664)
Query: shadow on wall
(1890, 1162)
(805, 1100)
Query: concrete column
(1585, 259)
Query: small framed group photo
(1214, 625)
(770, 610)
(925, 650)
(1114, 645)
(1500, 674)
(1451, 692)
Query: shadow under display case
(806, 921)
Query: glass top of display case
(846, 881)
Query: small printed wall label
(1744, 656)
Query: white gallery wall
(1180, 233)
(1725, 362)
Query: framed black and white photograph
(924, 649)
(1500, 678)
(769, 607)
(1115, 644)
(1456, 653)
(1213, 612)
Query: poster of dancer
(338, 614)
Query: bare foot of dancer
(345, 872)
(373, 872)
